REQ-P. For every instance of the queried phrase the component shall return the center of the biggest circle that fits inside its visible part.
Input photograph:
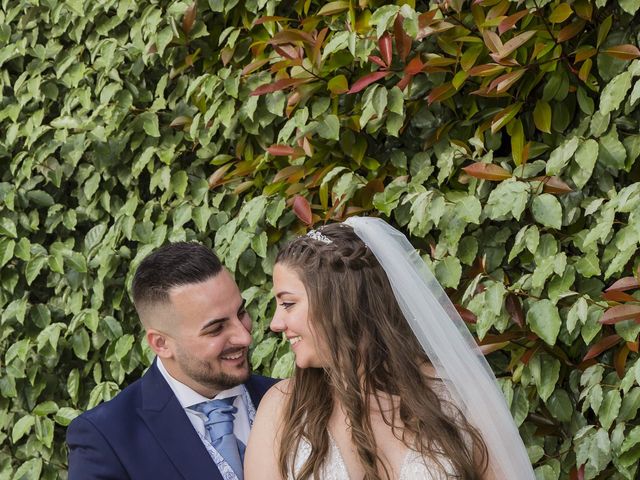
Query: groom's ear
(159, 343)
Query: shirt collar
(187, 397)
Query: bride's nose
(277, 325)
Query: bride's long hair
(374, 355)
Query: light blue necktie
(219, 427)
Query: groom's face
(211, 334)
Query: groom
(189, 415)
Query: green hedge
(502, 137)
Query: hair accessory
(316, 235)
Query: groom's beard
(211, 373)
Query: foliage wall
(502, 137)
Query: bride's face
(292, 317)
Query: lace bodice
(414, 467)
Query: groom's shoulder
(257, 385)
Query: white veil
(448, 344)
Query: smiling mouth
(294, 340)
(234, 355)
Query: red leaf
(414, 66)
(216, 177)
(292, 174)
(318, 45)
(466, 315)
(494, 347)
(634, 346)
(302, 209)
(403, 41)
(553, 185)
(602, 346)
(577, 473)
(441, 93)
(623, 52)
(515, 309)
(404, 81)
(253, 66)
(619, 313)
(620, 360)
(278, 85)
(487, 171)
(529, 353)
(571, 31)
(384, 44)
(291, 36)
(367, 80)
(510, 22)
(624, 284)
(377, 60)
(485, 70)
(617, 296)
(189, 18)
(280, 150)
(180, 122)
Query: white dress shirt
(188, 398)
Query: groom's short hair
(174, 265)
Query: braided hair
(374, 355)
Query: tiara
(316, 235)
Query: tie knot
(220, 414)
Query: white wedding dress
(414, 467)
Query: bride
(389, 383)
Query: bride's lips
(294, 341)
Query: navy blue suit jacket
(143, 434)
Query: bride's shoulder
(274, 399)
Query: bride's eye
(286, 305)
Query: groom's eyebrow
(215, 321)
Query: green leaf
(612, 153)
(8, 228)
(284, 366)
(329, 128)
(545, 371)
(123, 346)
(609, 408)
(73, 384)
(150, 124)
(615, 92)
(80, 343)
(542, 116)
(560, 405)
(544, 320)
(338, 85)
(6, 251)
(510, 196)
(22, 427)
(65, 415)
(585, 157)
(448, 272)
(29, 470)
(45, 408)
(263, 352)
(382, 18)
(547, 211)
(561, 156)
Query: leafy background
(502, 137)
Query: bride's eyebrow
(280, 294)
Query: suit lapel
(167, 420)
